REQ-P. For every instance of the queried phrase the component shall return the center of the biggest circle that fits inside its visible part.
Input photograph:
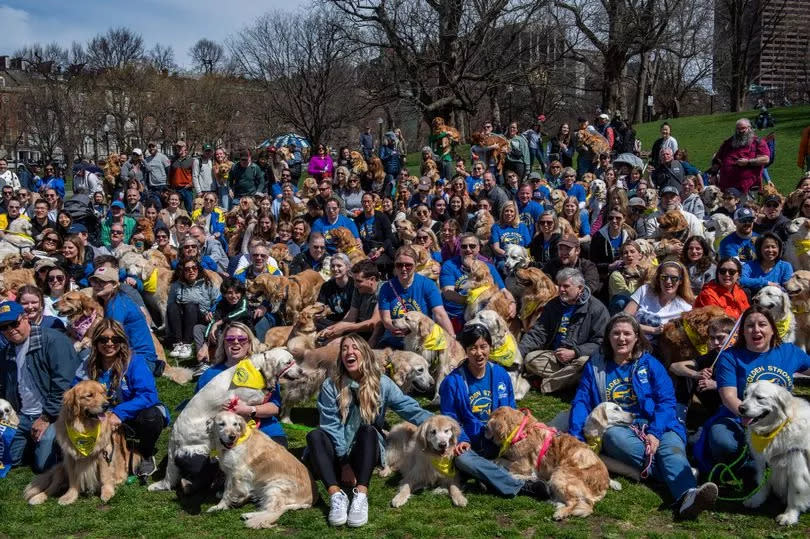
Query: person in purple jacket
(320, 164)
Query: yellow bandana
(150, 285)
(802, 246)
(505, 354)
(595, 443)
(474, 293)
(782, 326)
(507, 443)
(760, 442)
(694, 338)
(435, 339)
(84, 442)
(389, 369)
(246, 375)
(251, 426)
(528, 308)
(444, 466)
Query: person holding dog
(36, 368)
(768, 268)
(469, 395)
(131, 390)
(627, 374)
(349, 443)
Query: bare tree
(117, 48)
(207, 56)
(162, 58)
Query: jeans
(46, 452)
(180, 320)
(223, 192)
(145, 428)
(617, 303)
(486, 471)
(187, 195)
(325, 464)
(537, 154)
(584, 164)
(726, 440)
(263, 324)
(669, 463)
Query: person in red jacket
(180, 174)
(725, 290)
(804, 150)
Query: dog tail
(178, 375)
(45, 485)
(615, 485)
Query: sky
(179, 23)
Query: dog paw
(160, 486)
(38, 499)
(460, 501)
(106, 494)
(386, 472)
(788, 518)
(69, 498)
(560, 514)
(399, 500)
(217, 507)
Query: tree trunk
(641, 90)
(612, 100)
(495, 108)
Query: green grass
(639, 510)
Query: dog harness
(444, 465)
(520, 433)
(505, 354)
(475, 293)
(435, 340)
(83, 324)
(694, 338)
(84, 442)
(247, 375)
(760, 442)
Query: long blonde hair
(219, 355)
(369, 392)
(95, 367)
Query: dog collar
(504, 355)
(444, 465)
(782, 326)
(435, 339)
(595, 443)
(247, 375)
(251, 426)
(760, 442)
(475, 293)
(84, 442)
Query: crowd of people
(629, 245)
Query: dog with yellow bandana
(504, 350)
(95, 457)
(778, 434)
(424, 457)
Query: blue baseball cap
(77, 228)
(10, 311)
(744, 215)
(117, 204)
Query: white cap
(137, 151)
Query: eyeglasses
(323, 188)
(469, 246)
(190, 268)
(116, 232)
(615, 218)
(189, 247)
(727, 271)
(11, 325)
(421, 237)
(670, 278)
(546, 223)
(259, 255)
(772, 205)
(105, 339)
(403, 265)
(52, 240)
(233, 339)
(56, 278)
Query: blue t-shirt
(453, 275)
(619, 386)
(741, 248)
(474, 183)
(738, 367)
(269, 425)
(510, 235)
(480, 393)
(615, 243)
(529, 214)
(562, 329)
(577, 191)
(366, 229)
(422, 296)
(322, 226)
(584, 224)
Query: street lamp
(379, 137)
(106, 130)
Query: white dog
(7, 414)
(777, 302)
(16, 239)
(516, 257)
(778, 437)
(797, 246)
(189, 435)
(504, 349)
(723, 226)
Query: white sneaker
(358, 512)
(338, 508)
(178, 347)
(696, 500)
(185, 352)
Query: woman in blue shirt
(508, 231)
(578, 219)
(768, 268)
(626, 374)
(130, 389)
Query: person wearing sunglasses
(192, 296)
(725, 290)
(665, 298)
(117, 216)
(740, 243)
(131, 390)
(57, 282)
(772, 219)
(36, 368)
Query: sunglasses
(190, 268)
(469, 246)
(56, 278)
(670, 278)
(104, 339)
(162, 237)
(116, 232)
(51, 239)
(11, 325)
(546, 223)
(727, 271)
(231, 339)
(615, 218)
(422, 237)
(772, 205)
(403, 265)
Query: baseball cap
(773, 198)
(424, 183)
(43, 263)
(671, 190)
(10, 311)
(137, 151)
(77, 228)
(117, 204)
(743, 215)
(207, 147)
(636, 201)
(537, 195)
(440, 181)
(105, 273)
(732, 192)
(569, 241)
(535, 176)
(604, 116)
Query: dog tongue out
(746, 421)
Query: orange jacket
(804, 148)
(733, 301)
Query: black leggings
(325, 464)
(145, 429)
(181, 319)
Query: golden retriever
(293, 293)
(504, 349)
(359, 165)
(11, 280)
(438, 126)
(483, 293)
(405, 231)
(483, 226)
(425, 265)
(595, 142)
(538, 289)
(281, 254)
(424, 457)
(798, 289)
(304, 328)
(347, 244)
(257, 468)
(409, 370)
(89, 465)
(83, 314)
(440, 349)
(797, 246)
(672, 225)
(683, 339)
(499, 153)
(576, 476)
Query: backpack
(81, 212)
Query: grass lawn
(637, 511)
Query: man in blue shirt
(529, 211)
(475, 181)
(331, 220)
(740, 243)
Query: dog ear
(456, 430)
(783, 398)
(70, 402)
(425, 325)
(421, 434)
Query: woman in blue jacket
(632, 378)
(130, 388)
(469, 395)
(768, 268)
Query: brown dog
(595, 142)
(798, 288)
(681, 338)
(281, 253)
(499, 153)
(11, 280)
(90, 463)
(83, 313)
(293, 293)
(538, 289)
(483, 293)
(304, 328)
(425, 265)
(346, 243)
(577, 477)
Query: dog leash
(728, 477)
(641, 432)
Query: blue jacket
(56, 183)
(124, 310)
(455, 402)
(51, 361)
(136, 392)
(653, 388)
(753, 277)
